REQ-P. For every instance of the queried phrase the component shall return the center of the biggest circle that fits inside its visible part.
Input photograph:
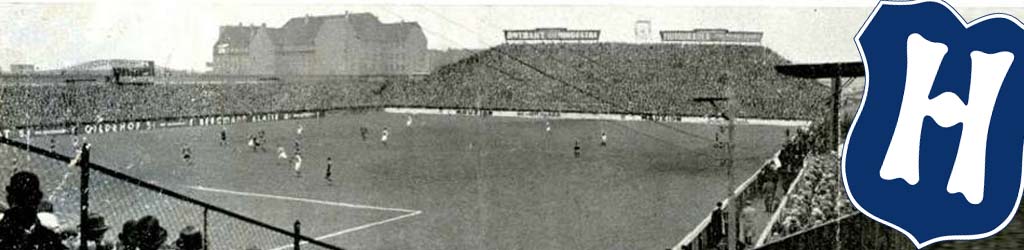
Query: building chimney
(239, 24)
(264, 25)
(307, 19)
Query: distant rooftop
(302, 31)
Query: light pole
(732, 223)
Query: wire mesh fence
(124, 200)
(310, 247)
(229, 233)
(58, 182)
(120, 202)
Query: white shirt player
(384, 135)
(299, 130)
(408, 121)
(298, 163)
(281, 154)
(547, 125)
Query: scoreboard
(133, 72)
(552, 34)
(135, 68)
(711, 36)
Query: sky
(181, 34)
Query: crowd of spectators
(817, 198)
(604, 77)
(611, 77)
(27, 222)
(22, 105)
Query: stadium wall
(595, 116)
(157, 123)
(100, 127)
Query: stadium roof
(824, 70)
(103, 65)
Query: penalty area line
(289, 198)
(408, 213)
(353, 229)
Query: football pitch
(444, 182)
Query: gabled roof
(276, 35)
(391, 32)
(302, 31)
(236, 36)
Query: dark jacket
(20, 230)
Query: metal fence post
(297, 233)
(83, 190)
(206, 228)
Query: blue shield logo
(936, 148)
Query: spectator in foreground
(748, 215)
(143, 234)
(20, 228)
(126, 238)
(47, 218)
(190, 238)
(93, 229)
(768, 188)
(716, 223)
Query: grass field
(446, 182)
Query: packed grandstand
(604, 77)
(611, 77)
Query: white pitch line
(329, 203)
(409, 213)
(349, 230)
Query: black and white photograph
(436, 125)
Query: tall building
(348, 44)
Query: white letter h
(987, 73)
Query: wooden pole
(298, 232)
(83, 192)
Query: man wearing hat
(20, 227)
(93, 229)
(189, 239)
(144, 234)
(127, 238)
